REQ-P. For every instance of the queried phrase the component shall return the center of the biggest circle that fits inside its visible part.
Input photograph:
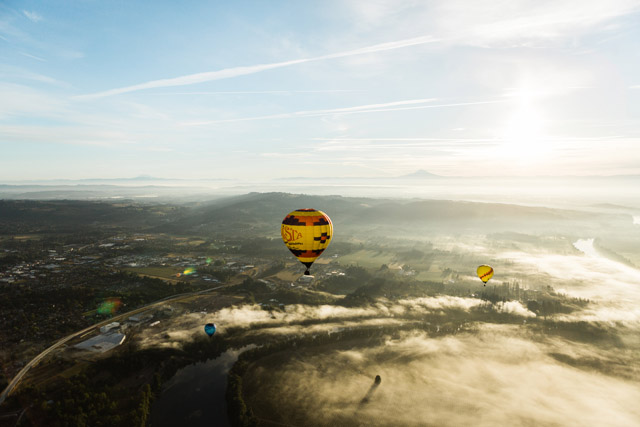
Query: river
(611, 286)
(195, 395)
(616, 286)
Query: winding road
(16, 380)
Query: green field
(367, 259)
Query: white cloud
(37, 58)
(259, 92)
(195, 78)
(32, 16)
(370, 108)
(498, 376)
(284, 155)
(441, 303)
(456, 22)
(514, 307)
(18, 73)
(489, 23)
(610, 285)
(374, 146)
(612, 313)
(23, 100)
(316, 113)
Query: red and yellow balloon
(485, 272)
(307, 233)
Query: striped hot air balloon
(485, 272)
(307, 233)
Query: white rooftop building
(102, 342)
(106, 328)
(141, 317)
(306, 279)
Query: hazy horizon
(149, 152)
(563, 192)
(261, 91)
(396, 294)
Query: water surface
(195, 395)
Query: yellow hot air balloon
(485, 272)
(307, 233)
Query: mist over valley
(394, 295)
(320, 213)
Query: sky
(262, 90)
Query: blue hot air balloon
(210, 329)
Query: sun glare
(524, 142)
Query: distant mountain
(421, 174)
(145, 178)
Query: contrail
(228, 73)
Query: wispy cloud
(259, 92)
(228, 73)
(408, 139)
(19, 73)
(37, 58)
(68, 135)
(488, 23)
(32, 16)
(370, 108)
(323, 112)
(195, 78)
(284, 155)
(482, 23)
(355, 144)
(371, 146)
(20, 100)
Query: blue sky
(268, 89)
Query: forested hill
(31, 216)
(263, 212)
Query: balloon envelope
(485, 272)
(210, 328)
(307, 233)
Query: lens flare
(109, 306)
(189, 271)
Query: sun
(523, 137)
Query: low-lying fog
(519, 373)
(541, 191)
(498, 375)
(613, 286)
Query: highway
(16, 380)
